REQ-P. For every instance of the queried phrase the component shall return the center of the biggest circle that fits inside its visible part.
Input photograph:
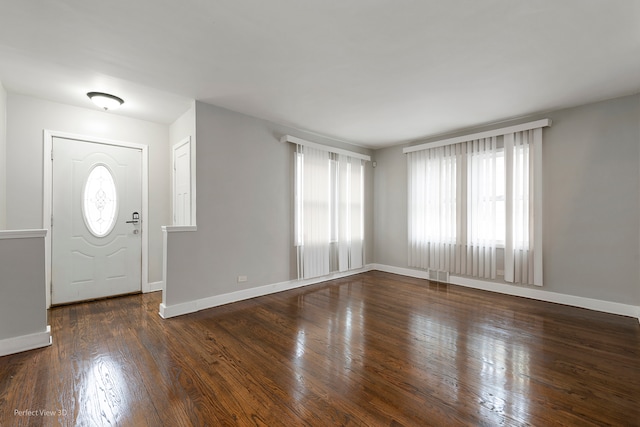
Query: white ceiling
(370, 72)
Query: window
(469, 198)
(487, 197)
(329, 211)
(100, 203)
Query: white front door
(95, 236)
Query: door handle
(135, 218)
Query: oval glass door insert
(100, 201)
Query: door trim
(48, 191)
(174, 148)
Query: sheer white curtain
(329, 211)
(312, 216)
(523, 245)
(485, 206)
(433, 208)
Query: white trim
(401, 271)
(155, 287)
(520, 291)
(22, 234)
(217, 300)
(165, 236)
(479, 135)
(300, 141)
(179, 228)
(48, 136)
(192, 182)
(534, 293)
(25, 342)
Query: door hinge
(52, 220)
(52, 154)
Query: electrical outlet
(242, 279)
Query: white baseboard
(418, 274)
(533, 293)
(217, 300)
(153, 287)
(25, 342)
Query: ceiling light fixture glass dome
(105, 100)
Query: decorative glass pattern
(100, 201)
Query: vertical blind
(523, 248)
(329, 211)
(433, 212)
(313, 220)
(470, 198)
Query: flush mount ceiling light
(104, 100)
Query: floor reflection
(104, 395)
(496, 369)
(375, 349)
(341, 343)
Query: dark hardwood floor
(374, 349)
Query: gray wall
(390, 207)
(27, 117)
(183, 127)
(244, 178)
(3, 158)
(591, 201)
(22, 295)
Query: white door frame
(48, 191)
(192, 182)
(174, 148)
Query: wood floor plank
(373, 349)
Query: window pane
(100, 201)
(487, 198)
